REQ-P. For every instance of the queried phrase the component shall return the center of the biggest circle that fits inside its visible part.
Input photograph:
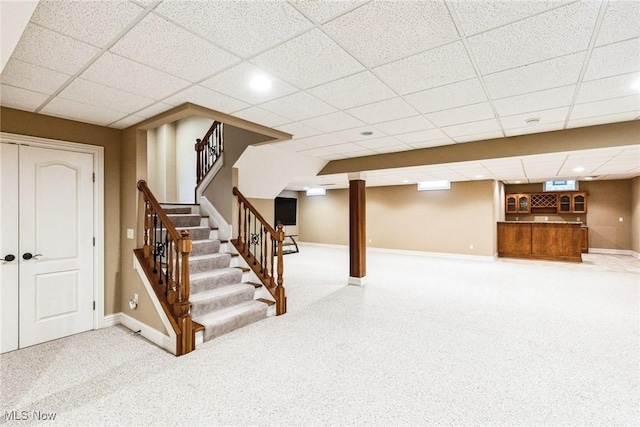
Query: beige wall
(265, 208)
(635, 215)
(25, 123)
(608, 201)
(400, 217)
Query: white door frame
(98, 206)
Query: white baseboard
(407, 252)
(111, 320)
(153, 335)
(224, 228)
(614, 252)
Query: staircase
(220, 299)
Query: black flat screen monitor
(285, 210)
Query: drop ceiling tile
(376, 143)
(81, 112)
(154, 110)
(292, 145)
(309, 60)
(32, 77)
(614, 59)
(611, 87)
(409, 27)
(409, 124)
(621, 22)
(348, 92)
(333, 122)
(382, 111)
(243, 27)
(316, 152)
(477, 16)
(21, 99)
(544, 75)
(298, 130)
(423, 136)
(345, 147)
(546, 117)
(362, 153)
(235, 82)
(525, 130)
(535, 101)
(51, 50)
(322, 11)
(80, 19)
(262, 117)
(447, 97)
(436, 67)
(469, 113)
(355, 134)
(207, 98)
(169, 48)
(601, 120)
(536, 38)
(127, 122)
(333, 157)
(319, 141)
(102, 96)
(299, 106)
(480, 127)
(433, 143)
(625, 104)
(124, 74)
(394, 149)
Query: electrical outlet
(471, 247)
(546, 218)
(620, 219)
(130, 233)
(578, 219)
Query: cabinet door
(579, 202)
(510, 205)
(564, 203)
(523, 203)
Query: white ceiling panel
(22, 99)
(32, 77)
(345, 147)
(79, 19)
(549, 74)
(447, 97)
(469, 113)
(51, 50)
(621, 22)
(409, 124)
(320, 141)
(546, 117)
(124, 74)
(409, 27)
(243, 27)
(127, 121)
(333, 122)
(536, 38)
(162, 45)
(526, 130)
(432, 143)
(535, 101)
(477, 16)
(154, 109)
(82, 112)
(322, 11)
(609, 106)
(102, 96)
(358, 89)
(611, 87)
(610, 118)
(333, 157)
(383, 111)
(477, 136)
(236, 81)
(614, 59)
(304, 61)
(356, 134)
(376, 143)
(298, 130)
(298, 106)
(423, 136)
(361, 153)
(436, 67)
(207, 98)
(262, 117)
(393, 148)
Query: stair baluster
(208, 150)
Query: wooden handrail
(261, 246)
(208, 150)
(165, 260)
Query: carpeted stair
(219, 300)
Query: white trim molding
(605, 251)
(98, 206)
(153, 335)
(224, 228)
(111, 320)
(357, 281)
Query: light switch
(129, 233)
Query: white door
(55, 245)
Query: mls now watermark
(29, 416)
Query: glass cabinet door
(565, 203)
(511, 204)
(523, 204)
(579, 204)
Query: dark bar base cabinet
(558, 241)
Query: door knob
(9, 258)
(27, 256)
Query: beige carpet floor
(428, 341)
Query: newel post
(198, 160)
(281, 299)
(182, 307)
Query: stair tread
(219, 292)
(255, 284)
(206, 256)
(266, 301)
(226, 314)
(214, 272)
(244, 269)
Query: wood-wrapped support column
(357, 230)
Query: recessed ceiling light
(479, 176)
(578, 169)
(518, 182)
(532, 121)
(366, 133)
(589, 178)
(636, 85)
(260, 83)
(405, 181)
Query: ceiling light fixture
(260, 83)
(636, 85)
(578, 169)
(434, 185)
(479, 176)
(366, 133)
(589, 178)
(518, 182)
(316, 192)
(532, 121)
